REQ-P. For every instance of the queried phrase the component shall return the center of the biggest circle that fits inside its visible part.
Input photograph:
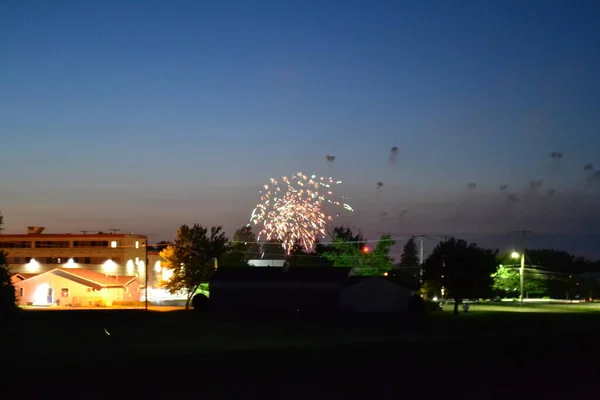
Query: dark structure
(277, 290)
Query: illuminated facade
(105, 253)
(156, 271)
(75, 287)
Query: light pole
(521, 270)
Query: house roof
(97, 277)
(22, 276)
(89, 278)
(276, 274)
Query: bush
(432, 306)
(416, 305)
(199, 302)
(99, 303)
(128, 303)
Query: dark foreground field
(120, 354)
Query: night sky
(143, 115)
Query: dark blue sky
(148, 114)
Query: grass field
(536, 348)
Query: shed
(274, 289)
(375, 295)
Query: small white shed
(376, 295)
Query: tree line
(455, 269)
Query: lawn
(168, 353)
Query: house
(375, 294)
(75, 287)
(275, 289)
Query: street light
(521, 270)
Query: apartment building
(108, 253)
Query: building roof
(22, 276)
(352, 280)
(266, 263)
(89, 278)
(276, 274)
(69, 235)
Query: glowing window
(137, 244)
(114, 244)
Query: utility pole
(146, 276)
(523, 233)
(421, 259)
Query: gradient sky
(143, 115)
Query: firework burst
(294, 209)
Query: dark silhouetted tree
(158, 247)
(273, 250)
(192, 257)
(7, 290)
(463, 269)
(244, 247)
(298, 257)
(410, 255)
(407, 271)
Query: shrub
(416, 305)
(199, 302)
(128, 303)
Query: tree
(463, 269)
(343, 254)
(409, 265)
(244, 247)
(160, 246)
(507, 279)
(378, 260)
(192, 257)
(273, 250)
(410, 255)
(363, 261)
(7, 290)
(298, 257)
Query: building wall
(133, 291)
(376, 295)
(126, 258)
(155, 270)
(263, 296)
(35, 290)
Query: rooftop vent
(35, 230)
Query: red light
(365, 249)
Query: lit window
(113, 244)
(137, 244)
